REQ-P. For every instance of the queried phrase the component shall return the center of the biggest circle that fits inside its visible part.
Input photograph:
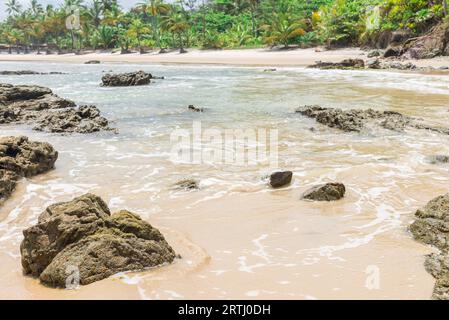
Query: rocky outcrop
(435, 43)
(85, 119)
(82, 235)
(138, 78)
(354, 119)
(325, 192)
(438, 159)
(26, 72)
(357, 120)
(92, 62)
(31, 98)
(20, 157)
(47, 111)
(280, 179)
(345, 64)
(432, 227)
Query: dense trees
(159, 24)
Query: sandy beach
(246, 57)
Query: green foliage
(213, 23)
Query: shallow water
(238, 238)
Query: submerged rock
(138, 78)
(432, 227)
(187, 184)
(325, 192)
(20, 157)
(195, 109)
(82, 234)
(345, 64)
(48, 112)
(92, 62)
(437, 159)
(280, 179)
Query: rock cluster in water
(26, 72)
(19, 158)
(326, 192)
(82, 235)
(432, 227)
(138, 78)
(47, 111)
(345, 64)
(358, 120)
(195, 109)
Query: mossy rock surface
(82, 235)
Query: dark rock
(270, 70)
(92, 62)
(432, 227)
(393, 51)
(280, 179)
(325, 192)
(345, 64)
(187, 184)
(126, 79)
(82, 234)
(20, 157)
(195, 109)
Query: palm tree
(253, 5)
(36, 7)
(154, 8)
(136, 29)
(282, 29)
(176, 24)
(13, 7)
(95, 12)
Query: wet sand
(238, 238)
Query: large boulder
(82, 234)
(138, 78)
(435, 43)
(325, 192)
(20, 157)
(431, 226)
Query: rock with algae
(82, 234)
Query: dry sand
(246, 57)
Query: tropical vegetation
(160, 25)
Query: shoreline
(237, 57)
